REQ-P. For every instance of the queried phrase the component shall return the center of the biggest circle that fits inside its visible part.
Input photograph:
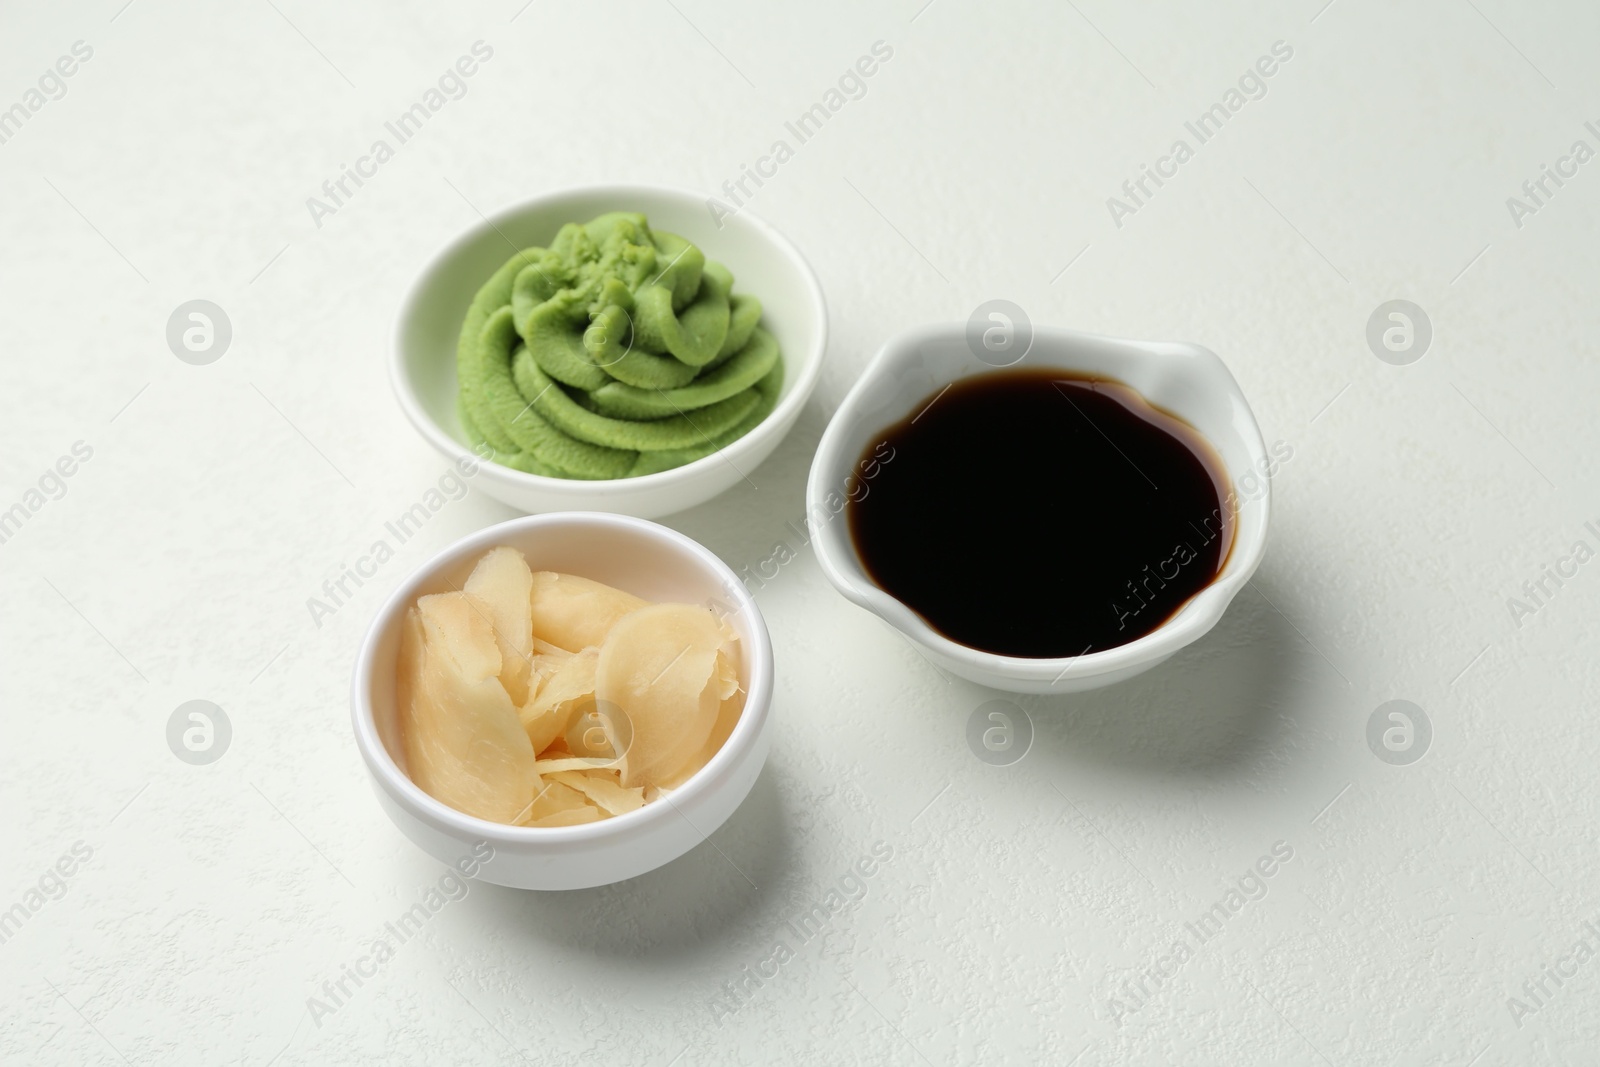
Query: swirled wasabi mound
(617, 351)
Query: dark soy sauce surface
(1032, 513)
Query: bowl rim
(440, 816)
(595, 490)
(1190, 622)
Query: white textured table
(1054, 910)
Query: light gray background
(1019, 899)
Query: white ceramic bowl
(764, 264)
(1187, 380)
(647, 560)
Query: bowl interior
(763, 265)
(1186, 380)
(627, 553)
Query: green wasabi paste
(617, 351)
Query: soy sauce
(1038, 514)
